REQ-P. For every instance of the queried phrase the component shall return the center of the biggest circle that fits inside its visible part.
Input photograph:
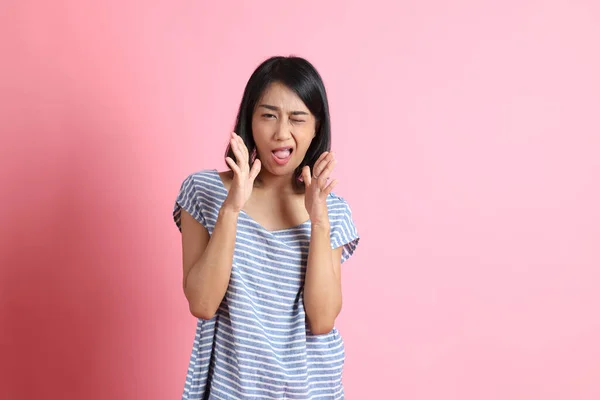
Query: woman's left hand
(318, 186)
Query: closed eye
(269, 116)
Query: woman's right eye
(268, 115)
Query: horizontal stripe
(258, 344)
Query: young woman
(262, 248)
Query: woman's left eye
(297, 120)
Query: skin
(265, 192)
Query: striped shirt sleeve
(343, 229)
(189, 199)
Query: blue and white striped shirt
(258, 345)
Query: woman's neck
(277, 183)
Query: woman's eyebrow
(274, 108)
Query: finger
(232, 165)
(239, 140)
(237, 152)
(328, 166)
(255, 170)
(322, 156)
(319, 160)
(235, 138)
(240, 146)
(306, 176)
(241, 143)
(324, 175)
(322, 163)
(330, 187)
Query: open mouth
(282, 155)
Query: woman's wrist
(320, 226)
(228, 210)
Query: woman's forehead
(282, 97)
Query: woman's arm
(323, 285)
(207, 261)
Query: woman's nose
(283, 131)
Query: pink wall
(468, 139)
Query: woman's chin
(280, 170)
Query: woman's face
(283, 128)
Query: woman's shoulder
(203, 177)
(343, 228)
(203, 182)
(202, 174)
(339, 209)
(336, 201)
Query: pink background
(468, 139)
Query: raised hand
(318, 186)
(243, 176)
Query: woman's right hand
(243, 176)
